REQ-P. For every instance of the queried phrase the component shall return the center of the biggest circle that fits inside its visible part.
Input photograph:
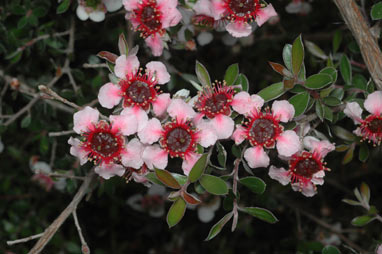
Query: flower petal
(189, 161)
(155, 43)
(126, 124)
(84, 118)
(132, 156)
(109, 170)
(130, 4)
(373, 103)
(126, 66)
(159, 70)
(283, 110)
(154, 156)
(307, 190)
(288, 143)
(322, 148)
(243, 103)
(81, 13)
(239, 135)
(264, 14)
(239, 29)
(180, 110)
(206, 135)
(76, 150)
(279, 174)
(97, 16)
(151, 132)
(354, 111)
(256, 157)
(140, 116)
(223, 126)
(203, 7)
(112, 5)
(161, 103)
(109, 95)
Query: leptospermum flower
(150, 18)
(240, 13)
(215, 103)
(96, 9)
(263, 130)
(177, 138)
(306, 169)
(102, 142)
(371, 127)
(137, 90)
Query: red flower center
(216, 100)
(371, 129)
(139, 90)
(149, 18)
(178, 139)
(263, 129)
(242, 10)
(303, 166)
(103, 143)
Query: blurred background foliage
(108, 223)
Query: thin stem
(60, 133)
(85, 247)
(22, 111)
(57, 97)
(26, 239)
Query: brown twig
(47, 91)
(22, 111)
(88, 66)
(85, 248)
(52, 229)
(23, 240)
(60, 133)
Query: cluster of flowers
(152, 126)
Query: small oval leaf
(361, 220)
(190, 199)
(300, 103)
(330, 250)
(231, 74)
(255, 184)
(202, 74)
(166, 178)
(176, 212)
(198, 169)
(297, 55)
(215, 230)
(261, 213)
(318, 81)
(213, 185)
(272, 92)
(345, 69)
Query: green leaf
(231, 74)
(181, 179)
(365, 191)
(315, 50)
(176, 212)
(122, 45)
(166, 178)
(243, 81)
(337, 39)
(338, 93)
(26, 121)
(63, 7)
(215, 230)
(297, 55)
(281, 69)
(152, 177)
(328, 113)
(213, 185)
(260, 213)
(202, 74)
(22, 22)
(361, 220)
(319, 110)
(287, 56)
(198, 169)
(351, 202)
(376, 11)
(348, 156)
(345, 69)
(255, 184)
(272, 92)
(330, 71)
(360, 82)
(222, 155)
(40, 11)
(331, 101)
(330, 250)
(343, 133)
(363, 153)
(18, 10)
(318, 81)
(300, 102)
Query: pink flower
(204, 14)
(102, 142)
(95, 10)
(298, 6)
(150, 18)
(371, 127)
(263, 130)
(306, 169)
(240, 13)
(177, 138)
(136, 90)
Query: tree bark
(370, 50)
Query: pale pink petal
(256, 157)
(288, 143)
(151, 132)
(307, 190)
(239, 134)
(126, 124)
(379, 249)
(264, 14)
(243, 103)
(112, 5)
(358, 132)
(218, 8)
(322, 148)
(354, 111)
(97, 16)
(279, 174)
(77, 151)
(84, 118)
(158, 70)
(189, 162)
(155, 43)
(154, 156)
(126, 66)
(130, 4)
(373, 103)
(171, 17)
(283, 110)
(317, 180)
(206, 135)
(132, 156)
(140, 116)
(203, 7)
(239, 29)
(180, 110)
(161, 103)
(81, 13)
(109, 170)
(109, 95)
(223, 126)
